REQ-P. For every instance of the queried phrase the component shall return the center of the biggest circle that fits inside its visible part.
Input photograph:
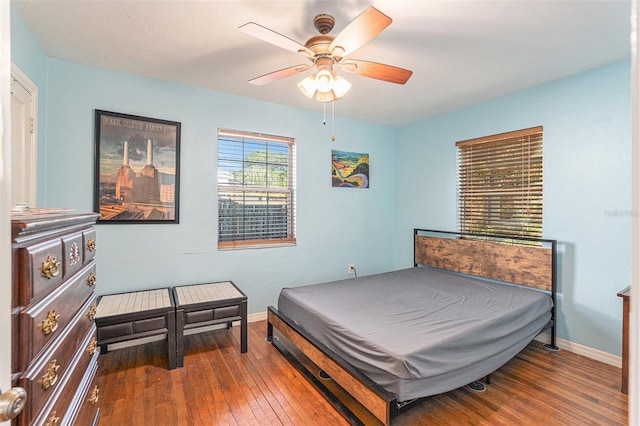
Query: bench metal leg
(243, 326)
(179, 338)
(171, 340)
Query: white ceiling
(460, 52)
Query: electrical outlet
(351, 269)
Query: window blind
(256, 190)
(500, 184)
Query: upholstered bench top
(190, 294)
(139, 301)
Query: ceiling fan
(326, 52)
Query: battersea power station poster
(137, 161)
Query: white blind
(256, 189)
(500, 184)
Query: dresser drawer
(44, 376)
(73, 251)
(89, 244)
(73, 391)
(42, 322)
(43, 269)
(85, 409)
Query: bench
(128, 316)
(170, 312)
(203, 305)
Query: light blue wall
(335, 226)
(587, 187)
(27, 55)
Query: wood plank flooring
(220, 386)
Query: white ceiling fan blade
(363, 28)
(277, 75)
(277, 39)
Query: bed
(469, 305)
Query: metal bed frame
(381, 404)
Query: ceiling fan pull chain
(324, 113)
(333, 121)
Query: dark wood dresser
(625, 294)
(54, 353)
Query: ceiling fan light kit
(326, 86)
(324, 81)
(340, 86)
(308, 86)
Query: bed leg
(476, 386)
(552, 346)
(269, 338)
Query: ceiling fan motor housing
(319, 45)
(324, 23)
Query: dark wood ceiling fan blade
(376, 70)
(277, 75)
(363, 28)
(277, 39)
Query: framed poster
(137, 169)
(349, 169)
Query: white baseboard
(258, 316)
(583, 350)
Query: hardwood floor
(220, 386)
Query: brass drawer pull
(51, 323)
(93, 399)
(50, 267)
(92, 312)
(51, 378)
(52, 420)
(91, 244)
(91, 347)
(91, 279)
(74, 254)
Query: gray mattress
(419, 332)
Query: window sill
(248, 245)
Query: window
(500, 184)
(256, 190)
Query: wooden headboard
(527, 265)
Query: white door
(5, 188)
(23, 139)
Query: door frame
(634, 323)
(5, 188)
(21, 78)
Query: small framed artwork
(137, 169)
(349, 169)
